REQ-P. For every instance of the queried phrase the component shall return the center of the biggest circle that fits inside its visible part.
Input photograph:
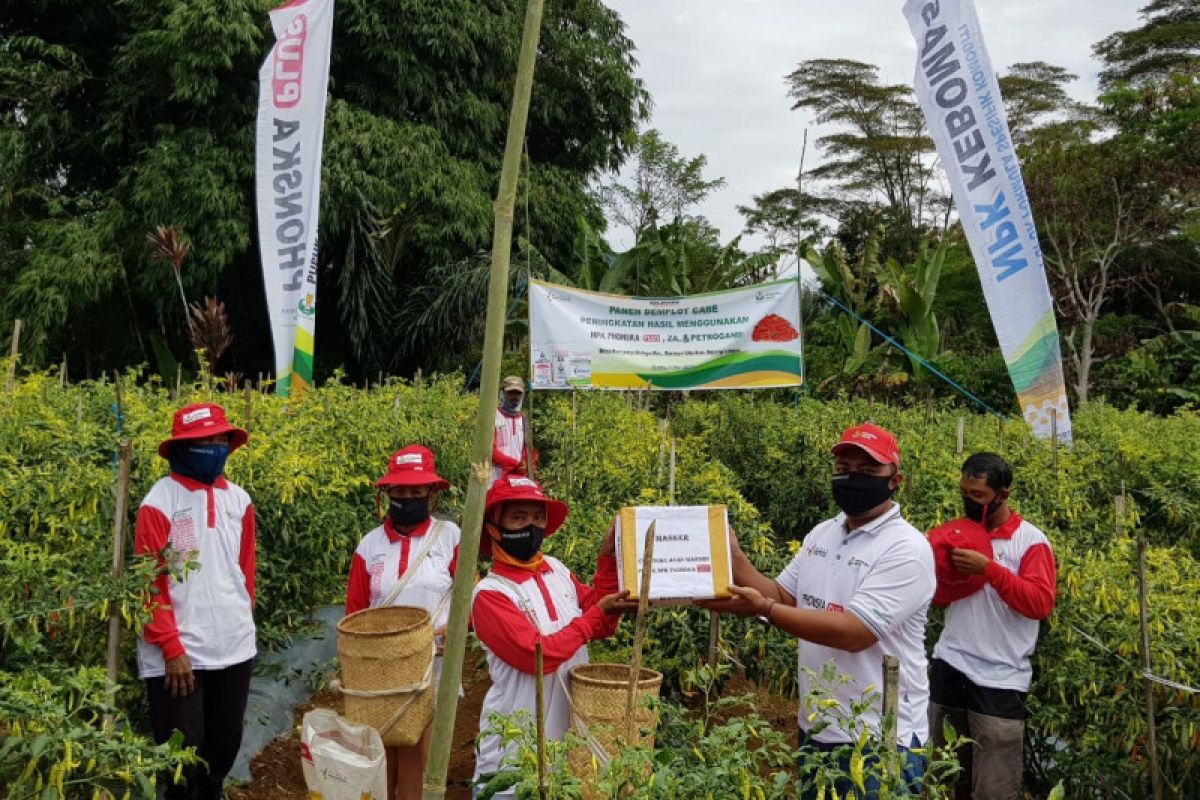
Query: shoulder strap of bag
(430, 540)
(522, 601)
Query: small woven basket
(381, 650)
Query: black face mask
(856, 493)
(978, 512)
(523, 543)
(409, 511)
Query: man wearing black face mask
(857, 590)
(196, 652)
(981, 670)
(509, 443)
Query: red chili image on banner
(774, 328)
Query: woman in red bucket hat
(196, 652)
(528, 597)
(409, 560)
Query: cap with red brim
(200, 421)
(517, 487)
(873, 440)
(964, 534)
(413, 466)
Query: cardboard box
(691, 552)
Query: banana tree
(851, 286)
(910, 291)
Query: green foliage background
(310, 463)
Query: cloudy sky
(715, 69)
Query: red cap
(965, 534)
(872, 440)
(413, 466)
(518, 487)
(199, 421)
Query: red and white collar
(193, 485)
(395, 536)
(1009, 527)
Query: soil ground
(275, 772)
(276, 775)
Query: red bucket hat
(413, 466)
(199, 421)
(964, 534)
(873, 440)
(518, 487)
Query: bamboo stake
(962, 422)
(485, 420)
(671, 478)
(540, 708)
(1143, 622)
(891, 704)
(639, 634)
(124, 462)
(248, 391)
(13, 352)
(62, 373)
(571, 443)
(1054, 439)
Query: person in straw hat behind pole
(196, 653)
(526, 598)
(409, 560)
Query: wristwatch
(765, 616)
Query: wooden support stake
(1143, 622)
(248, 391)
(891, 704)
(120, 518)
(671, 476)
(540, 709)
(13, 353)
(62, 373)
(118, 388)
(962, 422)
(1054, 439)
(639, 634)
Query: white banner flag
(958, 91)
(292, 85)
(738, 339)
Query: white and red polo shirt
(882, 573)
(508, 444)
(208, 613)
(385, 555)
(990, 635)
(512, 610)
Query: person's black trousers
(210, 719)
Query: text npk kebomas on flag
(945, 73)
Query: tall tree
(117, 118)
(1035, 96)
(1167, 40)
(876, 153)
(664, 184)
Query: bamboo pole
(1054, 439)
(639, 634)
(13, 352)
(962, 422)
(248, 391)
(671, 476)
(481, 447)
(120, 519)
(1143, 622)
(62, 373)
(540, 684)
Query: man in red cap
(196, 652)
(857, 590)
(981, 669)
(529, 598)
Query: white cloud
(716, 71)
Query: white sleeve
(789, 579)
(900, 583)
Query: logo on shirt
(855, 561)
(183, 533)
(813, 602)
(835, 607)
(814, 550)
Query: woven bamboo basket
(384, 649)
(599, 698)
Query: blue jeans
(913, 772)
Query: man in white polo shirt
(981, 670)
(857, 590)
